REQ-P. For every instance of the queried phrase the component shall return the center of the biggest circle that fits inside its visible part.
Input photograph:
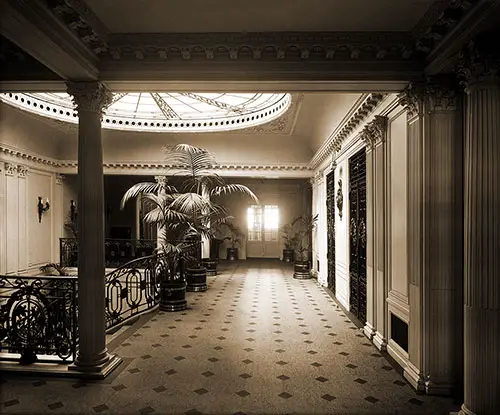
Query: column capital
(441, 97)
(59, 178)
(89, 96)
(374, 132)
(411, 98)
(10, 169)
(479, 63)
(160, 179)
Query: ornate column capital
(441, 97)
(22, 171)
(160, 178)
(374, 132)
(411, 98)
(10, 169)
(89, 96)
(59, 178)
(479, 63)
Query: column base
(413, 375)
(465, 411)
(380, 341)
(446, 387)
(96, 371)
(369, 331)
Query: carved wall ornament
(411, 98)
(340, 199)
(90, 96)
(10, 169)
(59, 179)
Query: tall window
(263, 221)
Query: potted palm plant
(185, 212)
(290, 240)
(302, 265)
(234, 235)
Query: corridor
(256, 342)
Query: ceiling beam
(32, 27)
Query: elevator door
(330, 226)
(357, 234)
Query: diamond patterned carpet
(256, 342)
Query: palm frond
(144, 188)
(233, 188)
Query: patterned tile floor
(257, 342)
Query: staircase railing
(117, 251)
(131, 289)
(38, 318)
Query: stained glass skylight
(165, 111)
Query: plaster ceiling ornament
(163, 112)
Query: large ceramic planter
(302, 270)
(211, 266)
(196, 279)
(232, 254)
(288, 255)
(173, 296)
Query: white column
(482, 236)
(93, 359)
(159, 228)
(205, 242)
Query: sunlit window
(254, 220)
(271, 222)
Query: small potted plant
(302, 266)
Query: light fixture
(42, 207)
(72, 211)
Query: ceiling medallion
(164, 112)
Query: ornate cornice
(334, 142)
(479, 63)
(441, 19)
(374, 132)
(21, 154)
(267, 46)
(90, 96)
(81, 20)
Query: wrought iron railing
(38, 318)
(132, 289)
(117, 251)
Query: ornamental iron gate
(357, 234)
(330, 226)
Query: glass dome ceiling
(164, 111)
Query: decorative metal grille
(38, 318)
(132, 289)
(330, 219)
(117, 251)
(357, 234)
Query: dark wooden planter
(232, 254)
(211, 266)
(288, 255)
(302, 270)
(196, 279)
(173, 296)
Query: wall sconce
(42, 207)
(72, 211)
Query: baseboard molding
(413, 375)
(380, 341)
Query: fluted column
(374, 136)
(93, 359)
(482, 232)
(442, 324)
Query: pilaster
(374, 136)
(93, 359)
(479, 67)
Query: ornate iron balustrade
(38, 318)
(117, 251)
(132, 289)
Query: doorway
(357, 235)
(263, 225)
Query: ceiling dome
(164, 111)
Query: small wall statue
(340, 199)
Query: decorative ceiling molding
(81, 20)
(359, 113)
(14, 153)
(269, 46)
(282, 125)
